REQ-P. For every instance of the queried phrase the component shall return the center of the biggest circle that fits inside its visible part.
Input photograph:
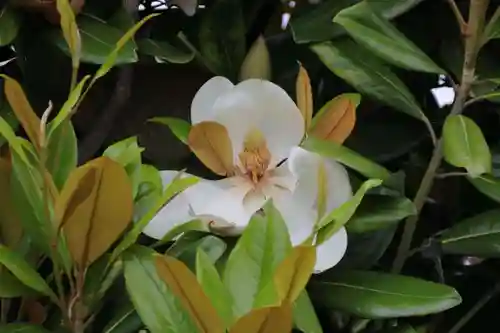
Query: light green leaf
(478, 236)
(179, 127)
(9, 25)
(24, 272)
(368, 75)
(304, 315)
(380, 295)
(149, 192)
(488, 185)
(155, 303)
(347, 157)
(70, 30)
(263, 245)
(464, 145)
(336, 219)
(62, 153)
(377, 34)
(193, 225)
(379, 211)
(257, 63)
(212, 285)
(164, 51)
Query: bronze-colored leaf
(94, 208)
(294, 272)
(335, 121)
(303, 91)
(265, 320)
(10, 226)
(22, 109)
(210, 142)
(34, 311)
(185, 286)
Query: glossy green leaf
(336, 219)
(193, 225)
(488, 185)
(179, 127)
(176, 186)
(379, 211)
(492, 29)
(7, 115)
(149, 191)
(127, 152)
(263, 245)
(164, 51)
(304, 315)
(464, 145)
(380, 295)
(478, 235)
(62, 153)
(377, 34)
(126, 321)
(222, 38)
(155, 303)
(9, 25)
(98, 41)
(212, 285)
(347, 157)
(186, 247)
(368, 75)
(23, 328)
(315, 24)
(69, 30)
(24, 272)
(11, 287)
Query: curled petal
(331, 251)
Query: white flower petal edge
(204, 100)
(331, 251)
(261, 105)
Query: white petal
(203, 101)
(176, 212)
(330, 252)
(298, 218)
(262, 105)
(304, 166)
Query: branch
(473, 39)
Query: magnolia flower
(256, 128)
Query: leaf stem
(458, 15)
(475, 309)
(473, 37)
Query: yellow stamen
(255, 157)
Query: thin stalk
(475, 25)
(458, 15)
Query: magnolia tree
(313, 138)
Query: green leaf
(478, 236)
(176, 186)
(149, 191)
(464, 145)
(126, 321)
(347, 157)
(263, 245)
(23, 328)
(488, 185)
(377, 34)
(11, 287)
(24, 272)
(69, 30)
(315, 25)
(9, 25)
(212, 285)
(304, 315)
(380, 295)
(128, 153)
(222, 38)
(164, 51)
(336, 219)
(7, 114)
(98, 41)
(178, 126)
(492, 29)
(379, 211)
(186, 247)
(155, 303)
(193, 225)
(62, 153)
(368, 75)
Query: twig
(477, 14)
(458, 15)
(451, 174)
(475, 309)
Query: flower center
(255, 157)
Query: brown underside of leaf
(94, 208)
(304, 97)
(210, 142)
(265, 320)
(22, 109)
(185, 286)
(337, 122)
